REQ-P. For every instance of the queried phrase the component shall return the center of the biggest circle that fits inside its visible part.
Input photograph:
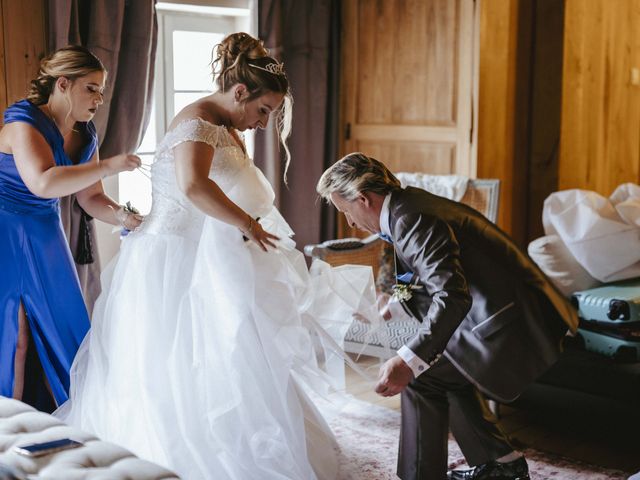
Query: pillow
(386, 277)
(557, 262)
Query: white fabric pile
(452, 187)
(589, 238)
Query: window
(187, 34)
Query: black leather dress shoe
(516, 470)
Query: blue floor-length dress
(36, 266)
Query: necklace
(49, 114)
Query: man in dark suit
(491, 321)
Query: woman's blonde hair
(354, 174)
(72, 61)
(243, 59)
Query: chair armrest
(352, 251)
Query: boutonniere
(403, 292)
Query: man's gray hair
(356, 173)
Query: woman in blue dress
(48, 149)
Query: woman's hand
(256, 233)
(124, 162)
(132, 221)
(128, 219)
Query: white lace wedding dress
(201, 344)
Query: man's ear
(365, 199)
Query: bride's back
(172, 212)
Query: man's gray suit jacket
(482, 302)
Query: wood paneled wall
(520, 107)
(503, 107)
(559, 101)
(600, 146)
(22, 46)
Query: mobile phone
(45, 448)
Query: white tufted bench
(20, 424)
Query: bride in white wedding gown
(202, 339)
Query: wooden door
(406, 86)
(600, 142)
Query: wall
(600, 146)
(22, 46)
(559, 101)
(520, 103)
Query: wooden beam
(503, 106)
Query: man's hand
(394, 376)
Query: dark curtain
(123, 34)
(305, 36)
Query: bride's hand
(256, 233)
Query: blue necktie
(405, 277)
(385, 237)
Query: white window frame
(170, 21)
(209, 12)
(210, 16)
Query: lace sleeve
(195, 130)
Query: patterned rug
(368, 437)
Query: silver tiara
(274, 68)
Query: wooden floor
(577, 437)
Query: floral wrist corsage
(122, 215)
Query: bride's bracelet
(250, 227)
(122, 214)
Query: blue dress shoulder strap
(27, 112)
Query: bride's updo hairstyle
(240, 58)
(72, 61)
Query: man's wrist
(414, 362)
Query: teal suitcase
(614, 303)
(610, 319)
